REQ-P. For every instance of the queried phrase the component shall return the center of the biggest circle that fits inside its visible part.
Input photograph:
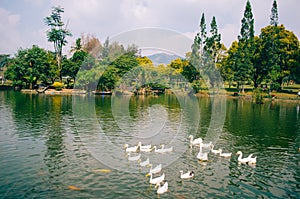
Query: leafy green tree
(28, 67)
(57, 34)
(78, 46)
(52, 73)
(4, 59)
(260, 72)
(230, 63)
(116, 70)
(280, 51)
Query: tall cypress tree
(213, 42)
(244, 65)
(274, 14)
(211, 51)
(198, 45)
(203, 34)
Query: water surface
(48, 143)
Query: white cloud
(104, 18)
(229, 34)
(10, 37)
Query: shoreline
(277, 97)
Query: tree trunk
(243, 87)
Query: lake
(72, 146)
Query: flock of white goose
(159, 182)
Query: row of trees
(268, 58)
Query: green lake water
(48, 143)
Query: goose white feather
(144, 148)
(162, 149)
(202, 156)
(244, 160)
(170, 149)
(145, 163)
(214, 150)
(130, 149)
(162, 189)
(252, 161)
(206, 145)
(134, 158)
(196, 141)
(156, 180)
(226, 155)
(187, 175)
(156, 169)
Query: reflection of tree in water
(55, 156)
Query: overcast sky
(22, 25)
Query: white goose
(130, 149)
(166, 149)
(144, 148)
(244, 160)
(134, 158)
(161, 150)
(162, 189)
(207, 145)
(156, 180)
(226, 155)
(252, 161)
(187, 175)
(156, 169)
(194, 141)
(214, 151)
(145, 163)
(202, 156)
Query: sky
(22, 21)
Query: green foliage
(243, 66)
(4, 60)
(275, 86)
(258, 96)
(29, 66)
(57, 33)
(116, 70)
(279, 52)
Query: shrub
(58, 86)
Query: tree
(202, 35)
(105, 51)
(210, 56)
(92, 45)
(230, 63)
(213, 42)
(274, 14)
(196, 58)
(243, 58)
(77, 47)
(28, 67)
(57, 34)
(280, 51)
(116, 70)
(260, 72)
(4, 59)
(144, 61)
